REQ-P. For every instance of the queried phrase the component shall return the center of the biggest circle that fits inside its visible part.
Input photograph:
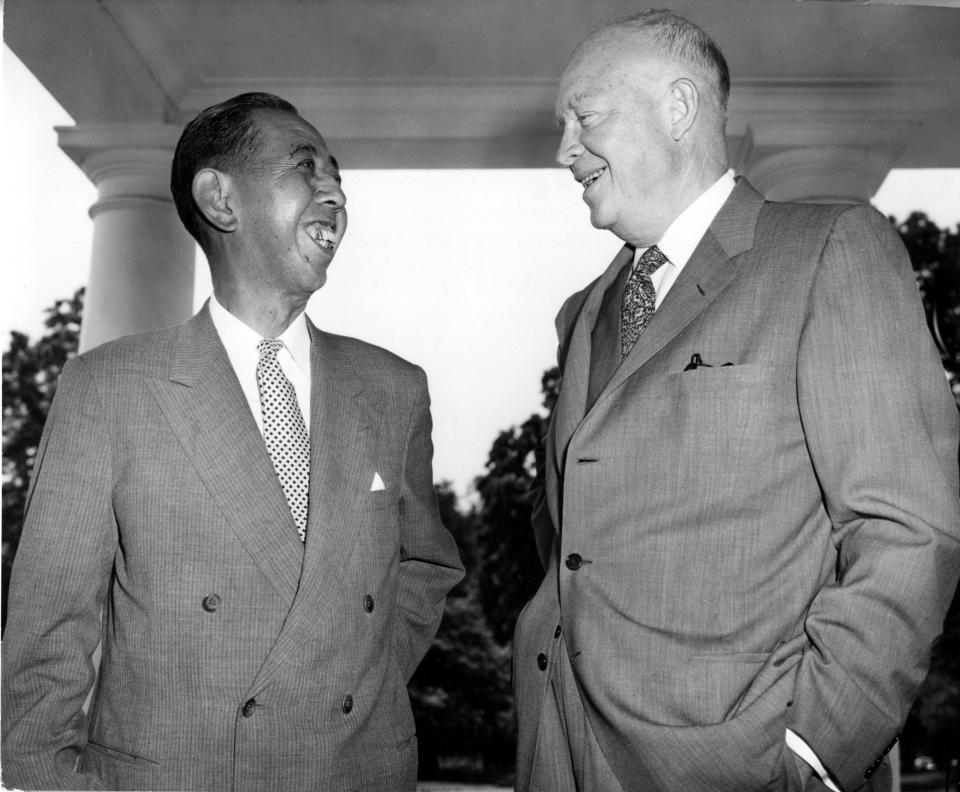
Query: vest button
(542, 661)
(347, 705)
(574, 562)
(248, 708)
(368, 603)
(211, 602)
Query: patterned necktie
(639, 299)
(284, 431)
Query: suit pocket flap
(122, 756)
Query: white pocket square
(377, 484)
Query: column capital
(845, 174)
(141, 273)
(825, 140)
(125, 161)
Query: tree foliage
(461, 693)
(30, 374)
(511, 568)
(935, 255)
(934, 721)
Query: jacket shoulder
(370, 359)
(141, 352)
(826, 216)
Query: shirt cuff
(797, 744)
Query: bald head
(669, 38)
(642, 105)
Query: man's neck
(269, 315)
(691, 181)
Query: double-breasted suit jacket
(768, 540)
(234, 657)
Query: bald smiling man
(749, 516)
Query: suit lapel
(205, 406)
(342, 416)
(572, 402)
(709, 270)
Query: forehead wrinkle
(304, 148)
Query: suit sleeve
(429, 560)
(543, 529)
(882, 433)
(57, 590)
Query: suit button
(248, 708)
(542, 661)
(368, 603)
(211, 602)
(556, 633)
(574, 562)
(347, 704)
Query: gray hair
(678, 38)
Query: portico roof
(470, 83)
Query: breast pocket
(735, 409)
(380, 499)
(730, 428)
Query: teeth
(323, 236)
(591, 178)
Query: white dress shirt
(240, 340)
(684, 234)
(677, 244)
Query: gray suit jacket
(234, 657)
(764, 545)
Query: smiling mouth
(323, 235)
(590, 178)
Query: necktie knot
(651, 260)
(269, 348)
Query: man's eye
(309, 164)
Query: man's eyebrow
(304, 148)
(570, 104)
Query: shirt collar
(685, 232)
(240, 340)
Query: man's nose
(327, 190)
(569, 148)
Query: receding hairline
(607, 54)
(615, 42)
(660, 37)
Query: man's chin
(600, 220)
(318, 274)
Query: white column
(141, 267)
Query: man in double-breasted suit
(240, 509)
(750, 519)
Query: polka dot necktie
(639, 299)
(284, 431)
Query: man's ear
(211, 193)
(684, 106)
